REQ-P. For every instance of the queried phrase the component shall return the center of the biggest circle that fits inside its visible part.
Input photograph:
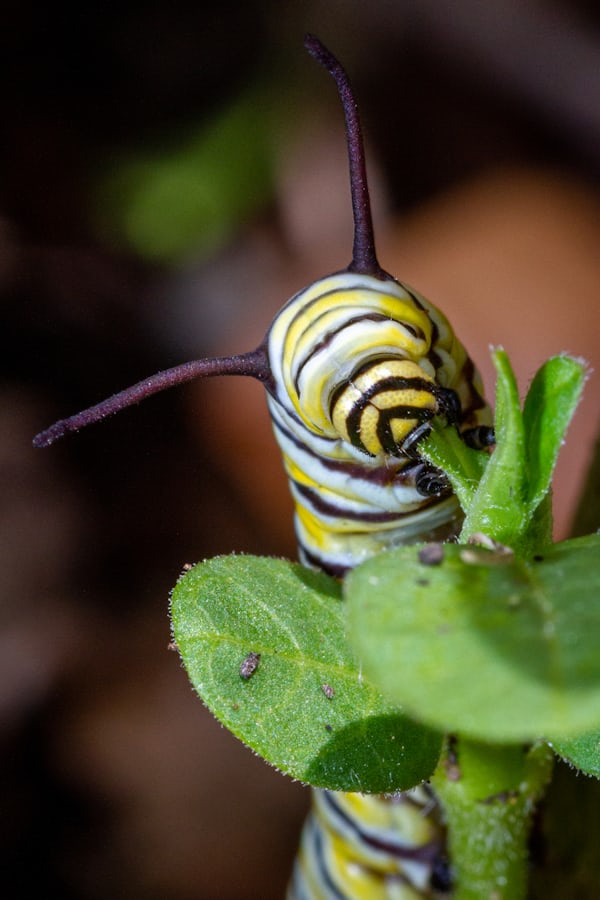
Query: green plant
(491, 642)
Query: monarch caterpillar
(356, 367)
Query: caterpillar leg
(432, 482)
(449, 404)
(479, 438)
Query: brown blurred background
(170, 175)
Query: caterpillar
(356, 368)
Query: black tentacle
(254, 364)
(364, 258)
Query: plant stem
(489, 793)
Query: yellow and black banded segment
(384, 403)
(355, 846)
(360, 368)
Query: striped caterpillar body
(356, 367)
(360, 367)
(366, 847)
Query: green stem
(489, 793)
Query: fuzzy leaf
(305, 707)
(464, 466)
(583, 752)
(188, 197)
(549, 407)
(498, 649)
(499, 506)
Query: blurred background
(171, 174)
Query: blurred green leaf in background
(189, 196)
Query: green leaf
(502, 495)
(583, 752)
(499, 507)
(188, 197)
(464, 466)
(496, 648)
(306, 708)
(549, 407)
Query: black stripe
(330, 509)
(435, 359)
(330, 335)
(304, 307)
(392, 383)
(425, 853)
(476, 401)
(322, 864)
(384, 430)
(353, 320)
(381, 475)
(384, 433)
(414, 297)
(318, 562)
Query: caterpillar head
(333, 341)
(350, 357)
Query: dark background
(483, 124)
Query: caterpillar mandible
(356, 367)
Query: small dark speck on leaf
(329, 727)
(538, 558)
(423, 582)
(249, 665)
(235, 705)
(431, 554)
(328, 691)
